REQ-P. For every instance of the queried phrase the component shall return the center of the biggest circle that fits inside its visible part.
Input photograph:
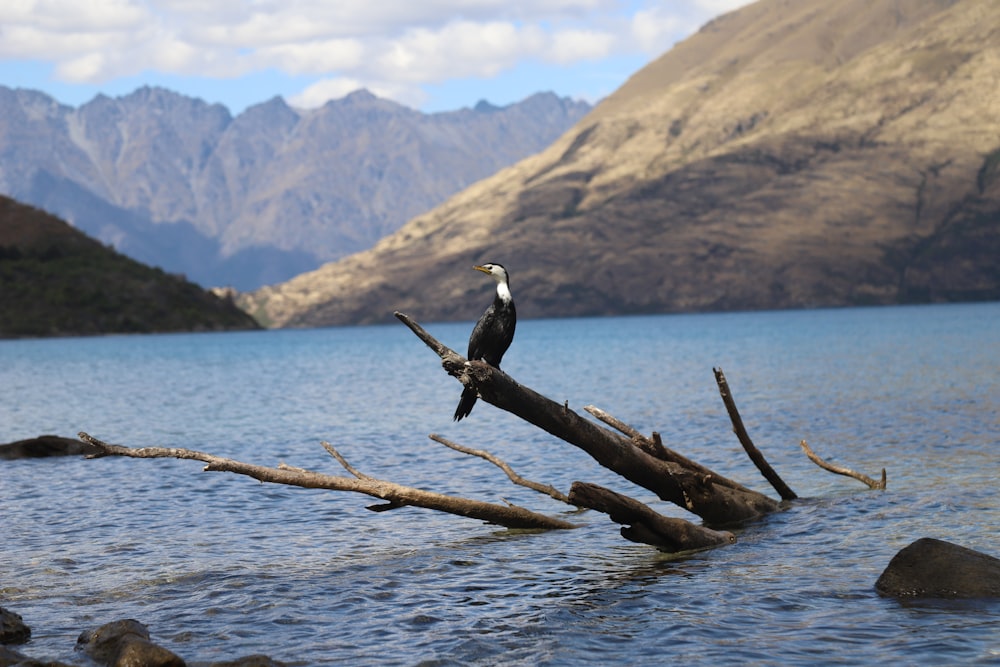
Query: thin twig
(500, 463)
(755, 455)
(840, 470)
(614, 422)
(342, 461)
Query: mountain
(57, 281)
(255, 199)
(789, 154)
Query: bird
(493, 332)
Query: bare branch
(342, 461)
(640, 523)
(500, 463)
(741, 433)
(840, 470)
(439, 348)
(395, 494)
(614, 422)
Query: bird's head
(496, 270)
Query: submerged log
(640, 523)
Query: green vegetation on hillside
(56, 281)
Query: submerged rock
(932, 568)
(45, 446)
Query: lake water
(220, 566)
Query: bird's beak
(481, 268)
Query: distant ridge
(56, 281)
(788, 155)
(256, 199)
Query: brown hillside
(790, 154)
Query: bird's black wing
(493, 333)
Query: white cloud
(323, 91)
(715, 7)
(655, 29)
(315, 56)
(569, 46)
(391, 47)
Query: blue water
(220, 566)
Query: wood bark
(700, 490)
(397, 495)
(640, 523)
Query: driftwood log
(699, 490)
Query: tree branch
(396, 494)
(500, 463)
(741, 433)
(840, 470)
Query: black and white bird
(492, 334)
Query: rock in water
(932, 568)
(12, 628)
(125, 643)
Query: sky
(431, 55)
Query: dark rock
(932, 568)
(12, 628)
(125, 643)
(11, 658)
(45, 446)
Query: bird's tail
(469, 396)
